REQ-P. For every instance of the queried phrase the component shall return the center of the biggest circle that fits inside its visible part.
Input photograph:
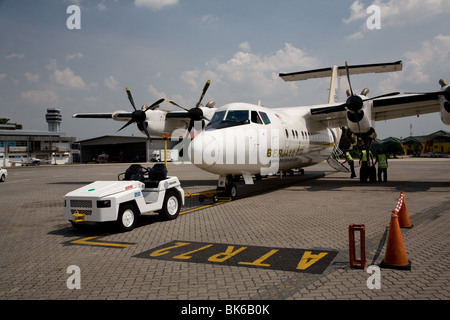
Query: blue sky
(169, 48)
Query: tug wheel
(127, 217)
(171, 205)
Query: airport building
(436, 144)
(121, 149)
(26, 147)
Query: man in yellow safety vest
(382, 165)
(349, 160)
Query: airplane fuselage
(246, 139)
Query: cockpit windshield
(237, 115)
(218, 116)
(233, 118)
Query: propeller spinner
(139, 116)
(195, 114)
(354, 102)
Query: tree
(5, 121)
(394, 148)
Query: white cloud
(157, 94)
(3, 76)
(32, 77)
(15, 56)
(74, 56)
(248, 66)
(357, 12)
(68, 78)
(431, 58)
(401, 12)
(155, 4)
(245, 46)
(397, 13)
(249, 76)
(101, 7)
(356, 35)
(111, 83)
(191, 78)
(40, 96)
(209, 20)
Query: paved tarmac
(283, 239)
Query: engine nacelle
(156, 122)
(445, 102)
(360, 121)
(116, 116)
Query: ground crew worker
(367, 170)
(364, 159)
(382, 165)
(351, 163)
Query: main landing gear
(228, 186)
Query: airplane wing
(127, 115)
(384, 108)
(405, 105)
(341, 70)
(120, 115)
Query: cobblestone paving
(305, 212)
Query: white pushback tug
(141, 190)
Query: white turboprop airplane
(251, 140)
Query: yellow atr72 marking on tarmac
(286, 259)
(88, 241)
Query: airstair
(334, 162)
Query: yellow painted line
(203, 207)
(87, 241)
(189, 195)
(204, 193)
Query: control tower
(54, 119)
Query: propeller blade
(383, 96)
(191, 125)
(348, 77)
(152, 107)
(130, 97)
(147, 133)
(126, 125)
(176, 104)
(205, 88)
(445, 93)
(326, 110)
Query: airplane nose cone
(204, 150)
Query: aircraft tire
(232, 191)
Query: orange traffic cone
(395, 257)
(403, 217)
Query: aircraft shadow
(405, 186)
